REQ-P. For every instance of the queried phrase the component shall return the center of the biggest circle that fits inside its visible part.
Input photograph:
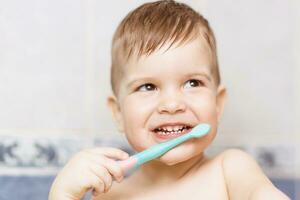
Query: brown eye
(193, 83)
(146, 87)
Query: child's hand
(88, 169)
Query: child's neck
(159, 173)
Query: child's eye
(193, 83)
(146, 87)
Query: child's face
(169, 90)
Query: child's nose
(171, 105)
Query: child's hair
(150, 26)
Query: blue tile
(288, 186)
(26, 187)
(37, 187)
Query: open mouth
(171, 131)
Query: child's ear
(114, 107)
(221, 98)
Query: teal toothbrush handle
(159, 149)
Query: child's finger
(102, 174)
(110, 152)
(112, 166)
(98, 186)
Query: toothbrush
(159, 149)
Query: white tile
(42, 74)
(255, 45)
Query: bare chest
(206, 187)
(208, 184)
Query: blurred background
(54, 80)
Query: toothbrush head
(199, 130)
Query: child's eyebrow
(200, 74)
(137, 79)
(142, 79)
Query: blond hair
(150, 26)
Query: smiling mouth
(169, 132)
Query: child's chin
(169, 162)
(172, 158)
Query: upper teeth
(171, 128)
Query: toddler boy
(165, 80)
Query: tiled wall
(54, 79)
(28, 164)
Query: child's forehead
(178, 62)
(192, 56)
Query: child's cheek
(135, 113)
(205, 106)
(136, 108)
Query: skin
(174, 85)
(160, 89)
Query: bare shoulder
(238, 164)
(245, 179)
(231, 157)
